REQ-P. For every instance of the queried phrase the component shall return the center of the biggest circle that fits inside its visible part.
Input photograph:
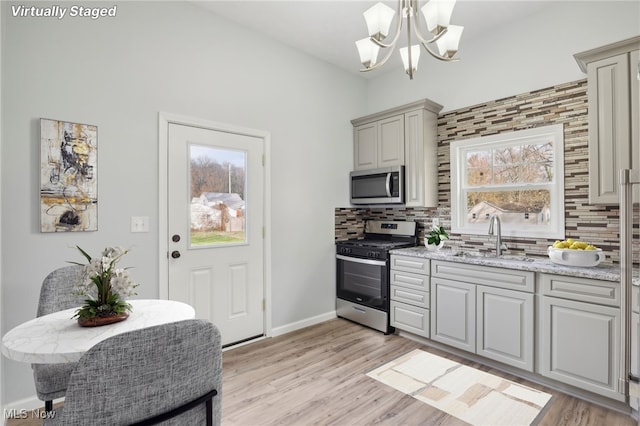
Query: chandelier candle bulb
(378, 19)
(368, 51)
(437, 13)
(410, 65)
(448, 43)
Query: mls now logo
(21, 413)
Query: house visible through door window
(518, 176)
(217, 209)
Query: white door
(215, 227)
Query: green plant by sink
(436, 236)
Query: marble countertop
(525, 263)
(57, 338)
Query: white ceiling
(328, 29)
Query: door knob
(175, 238)
(175, 254)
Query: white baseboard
(307, 322)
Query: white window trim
(556, 228)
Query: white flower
(122, 284)
(104, 269)
(114, 253)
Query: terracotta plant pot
(99, 321)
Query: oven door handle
(358, 260)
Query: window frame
(459, 188)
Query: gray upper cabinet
(379, 143)
(613, 96)
(408, 136)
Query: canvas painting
(68, 176)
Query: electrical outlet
(435, 222)
(139, 223)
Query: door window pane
(218, 205)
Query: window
(518, 176)
(217, 209)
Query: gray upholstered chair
(56, 294)
(147, 376)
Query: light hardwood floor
(316, 376)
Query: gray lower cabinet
(410, 294)
(504, 326)
(484, 310)
(580, 339)
(453, 313)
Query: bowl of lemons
(572, 252)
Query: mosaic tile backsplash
(562, 104)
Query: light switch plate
(139, 223)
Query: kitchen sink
(504, 257)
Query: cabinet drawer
(485, 275)
(409, 280)
(581, 289)
(416, 265)
(410, 318)
(410, 296)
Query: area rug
(471, 395)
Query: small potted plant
(435, 238)
(105, 287)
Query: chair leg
(209, 405)
(48, 406)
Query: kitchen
(564, 104)
(321, 130)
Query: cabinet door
(580, 345)
(453, 313)
(505, 326)
(365, 145)
(410, 318)
(391, 141)
(609, 126)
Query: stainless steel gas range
(362, 272)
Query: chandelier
(437, 14)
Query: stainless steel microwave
(378, 186)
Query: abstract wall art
(68, 176)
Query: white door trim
(164, 119)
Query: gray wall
(118, 74)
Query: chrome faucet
(499, 245)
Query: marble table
(57, 338)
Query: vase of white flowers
(106, 288)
